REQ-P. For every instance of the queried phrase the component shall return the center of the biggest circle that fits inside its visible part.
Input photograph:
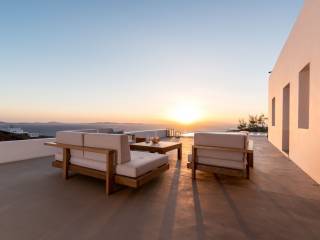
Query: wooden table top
(160, 145)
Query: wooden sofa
(107, 157)
(222, 153)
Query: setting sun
(186, 113)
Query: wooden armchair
(222, 153)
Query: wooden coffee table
(162, 147)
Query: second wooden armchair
(224, 153)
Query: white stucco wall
(301, 48)
(11, 151)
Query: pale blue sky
(87, 61)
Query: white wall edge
(13, 151)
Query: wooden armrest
(75, 147)
(250, 145)
(227, 149)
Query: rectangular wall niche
(304, 96)
(273, 111)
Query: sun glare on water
(185, 113)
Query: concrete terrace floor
(279, 202)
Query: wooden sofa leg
(109, 185)
(247, 171)
(66, 159)
(110, 172)
(193, 163)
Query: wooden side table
(161, 147)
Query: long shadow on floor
(167, 224)
(200, 228)
(244, 227)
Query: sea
(50, 129)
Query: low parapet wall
(11, 151)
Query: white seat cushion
(59, 156)
(219, 162)
(141, 163)
(88, 163)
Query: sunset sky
(139, 61)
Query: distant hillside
(6, 136)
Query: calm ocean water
(50, 129)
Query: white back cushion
(117, 142)
(71, 138)
(224, 140)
